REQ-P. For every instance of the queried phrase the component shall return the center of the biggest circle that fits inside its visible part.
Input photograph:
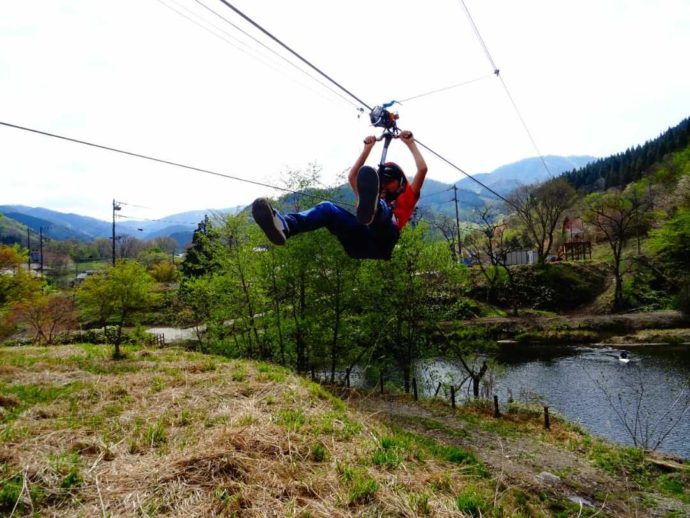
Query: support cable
(456, 85)
(235, 26)
(296, 54)
(496, 71)
(162, 161)
(304, 60)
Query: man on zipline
(385, 202)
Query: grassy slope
(168, 432)
(172, 432)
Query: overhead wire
(438, 90)
(295, 53)
(348, 92)
(160, 160)
(497, 73)
(157, 220)
(247, 49)
(215, 173)
(273, 51)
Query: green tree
(541, 209)
(203, 256)
(117, 295)
(494, 242)
(206, 306)
(16, 284)
(398, 313)
(671, 245)
(240, 264)
(615, 214)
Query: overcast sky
(589, 77)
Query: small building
(521, 257)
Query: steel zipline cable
(348, 92)
(161, 160)
(237, 178)
(296, 54)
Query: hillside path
(522, 460)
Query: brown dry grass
(167, 432)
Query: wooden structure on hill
(577, 248)
(576, 251)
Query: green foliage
(472, 501)
(290, 419)
(117, 295)
(362, 488)
(671, 243)
(319, 453)
(203, 257)
(388, 454)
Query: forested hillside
(631, 165)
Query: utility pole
(28, 245)
(116, 207)
(40, 248)
(457, 221)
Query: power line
(160, 160)
(435, 193)
(496, 71)
(164, 220)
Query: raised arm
(352, 177)
(418, 180)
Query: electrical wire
(159, 220)
(435, 193)
(496, 72)
(161, 160)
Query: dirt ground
(528, 461)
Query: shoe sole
(262, 212)
(368, 191)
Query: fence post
(414, 388)
(547, 421)
(347, 378)
(381, 380)
(497, 411)
(452, 395)
(437, 389)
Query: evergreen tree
(203, 256)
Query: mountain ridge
(59, 225)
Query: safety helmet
(392, 171)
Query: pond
(591, 386)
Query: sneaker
(368, 190)
(270, 221)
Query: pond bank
(624, 329)
(564, 463)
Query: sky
(172, 80)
